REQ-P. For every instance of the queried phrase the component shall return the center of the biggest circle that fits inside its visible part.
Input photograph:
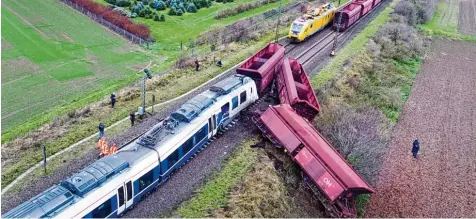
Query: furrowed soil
(441, 112)
(467, 17)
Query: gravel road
(467, 17)
(441, 112)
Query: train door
(124, 197)
(212, 126)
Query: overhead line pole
(279, 17)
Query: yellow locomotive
(311, 22)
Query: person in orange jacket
(113, 149)
(104, 149)
(100, 142)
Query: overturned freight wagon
(263, 65)
(325, 171)
(295, 89)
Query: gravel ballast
(441, 113)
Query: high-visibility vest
(104, 149)
(100, 142)
(113, 149)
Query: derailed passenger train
(113, 184)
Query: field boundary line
(31, 169)
(24, 20)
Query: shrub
(191, 8)
(114, 17)
(398, 41)
(123, 3)
(156, 17)
(158, 5)
(416, 12)
(360, 135)
(172, 11)
(162, 17)
(179, 12)
(112, 2)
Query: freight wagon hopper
(295, 89)
(262, 66)
(352, 12)
(325, 171)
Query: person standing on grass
(132, 116)
(113, 99)
(101, 130)
(197, 65)
(415, 148)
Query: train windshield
(297, 27)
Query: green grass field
(54, 56)
(184, 28)
(445, 22)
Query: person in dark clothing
(113, 99)
(132, 116)
(415, 148)
(197, 65)
(101, 130)
(219, 64)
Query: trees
(191, 8)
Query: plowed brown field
(441, 112)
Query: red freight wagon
(295, 89)
(262, 66)
(353, 12)
(367, 6)
(333, 179)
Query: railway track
(307, 55)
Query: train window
(172, 159)
(225, 108)
(146, 180)
(102, 210)
(129, 190)
(188, 145)
(243, 97)
(120, 193)
(234, 102)
(201, 134)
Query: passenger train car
(113, 184)
(311, 22)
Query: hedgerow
(114, 17)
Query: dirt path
(467, 17)
(441, 112)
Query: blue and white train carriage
(112, 185)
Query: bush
(179, 12)
(416, 12)
(398, 41)
(112, 2)
(123, 3)
(360, 135)
(191, 8)
(162, 17)
(115, 18)
(158, 5)
(172, 11)
(156, 17)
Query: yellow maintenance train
(311, 22)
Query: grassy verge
(214, 194)
(438, 26)
(353, 48)
(169, 87)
